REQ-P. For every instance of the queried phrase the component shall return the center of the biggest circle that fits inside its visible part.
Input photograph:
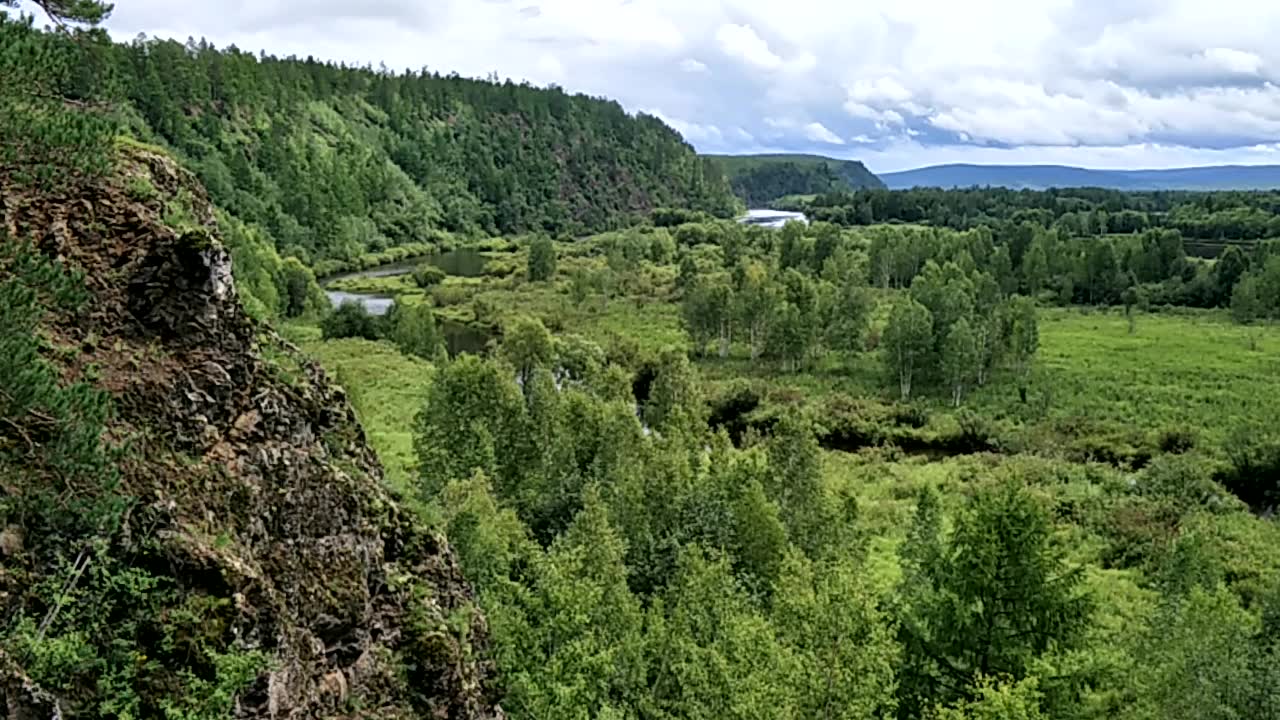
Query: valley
(337, 392)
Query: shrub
(1254, 474)
(1177, 440)
(351, 319)
(428, 276)
(413, 329)
(542, 260)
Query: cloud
(818, 132)
(1139, 81)
(690, 65)
(742, 43)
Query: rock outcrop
(248, 473)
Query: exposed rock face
(253, 475)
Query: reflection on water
(772, 218)
(373, 304)
(465, 262)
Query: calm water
(459, 337)
(461, 263)
(772, 218)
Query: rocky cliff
(249, 493)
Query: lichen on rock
(255, 497)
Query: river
(470, 263)
(772, 218)
(459, 337)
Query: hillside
(1039, 177)
(760, 179)
(199, 488)
(329, 162)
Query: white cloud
(1234, 61)
(690, 65)
(818, 132)
(742, 43)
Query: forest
(848, 472)
(943, 455)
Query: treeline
(331, 162)
(798, 293)
(645, 567)
(1239, 216)
(1053, 262)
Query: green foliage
(542, 260)
(675, 400)
(907, 341)
(470, 420)
(427, 276)
(349, 320)
(959, 358)
(56, 131)
(527, 345)
(1024, 340)
(413, 329)
(761, 179)
(989, 600)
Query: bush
(428, 276)
(351, 319)
(542, 260)
(1254, 475)
(413, 329)
(300, 292)
(1177, 440)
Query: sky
(894, 83)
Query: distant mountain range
(1218, 177)
(761, 179)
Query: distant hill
(1038, 177)
(761, 179)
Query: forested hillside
(760, 179)
(329, 162)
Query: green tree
(471, 419)
(675, 401)
(302, 295)
(1102, 272)
(714, 657)
(988, 601)
(542, 260)
(1035, 266)
(845, 652)
(1197, 659)
(709, 315)
(848, 313)
(1018, 700)
(959, 358)
(1246, 300)
(757, 306)
(349, 320)
(908, 339)
(795, 484)
(570, 642)
(528, 346)
(1024, 340)
(414, 331)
